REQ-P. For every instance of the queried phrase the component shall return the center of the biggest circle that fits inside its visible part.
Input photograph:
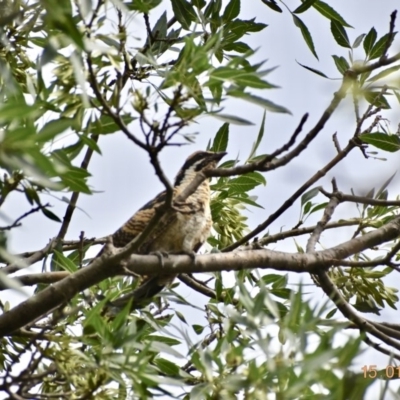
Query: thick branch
(105, 267)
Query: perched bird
(184, 231)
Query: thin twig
(273, 238)
(26, 262)
(360, 199)
(17, 222)
(75, 195)
(197, 286)
(289, 202)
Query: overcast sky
(126, 180)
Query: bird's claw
(160, 255)
(191, 254)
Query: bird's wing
(138, 223)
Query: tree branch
(75, 195)
(104, 267)
(360, 199)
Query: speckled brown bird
(186, 229)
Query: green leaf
(341, 64)
(397, 96)
(232, 10)
(105, 124)
(164, 339)
(259, 138)
(184, 13)
(53, 128)
(369, 41)
(340, 34)
(307, 207)
(50, 215)
(245, 183)
(233, 119)
(143, 6)
(245, 200)
(309, 195)
(240, 78)
(271, 278)
(306, 34)
(313, 70)
(160, 31)
(90, 143)
(220, 142)
(213, 9)
(240, 27)
(384, 73)
(384, 186)
(199, 3)
(64, 263)
(239, 47)
(74, 179)
(331, 313)
(167, 367)
(65, 23)
(390, 143)
(318, 207)
(180, 316)
(380, 46)
(377, 99)
(364, 307)
(272, 5)
(283, 293)
(305, 6)
(252, 80)
(198, 328)
(12, 110)
(358, 41)
(328, 12)
(267, 104)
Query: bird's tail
(142, 295)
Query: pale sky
(127, 180)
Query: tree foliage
(72, 72)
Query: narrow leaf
(377, 99)
(385, 185)
(309, 195)
(380, 46)
(328, 12)
(306, 34)
(53, 128)
(272, 5)
(232, 10)
(358, 41)
(341, 64)
(305, 6)
(369, 41)
(49, 214)
(384, 73)
(390, 143)
(220, 142)
(184, 13)
(259, 138)
(339, 34)
(267, 104)
(233, 119)
(314, 70)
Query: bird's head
(198, 161)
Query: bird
(184, 231)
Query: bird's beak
(219, 155)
